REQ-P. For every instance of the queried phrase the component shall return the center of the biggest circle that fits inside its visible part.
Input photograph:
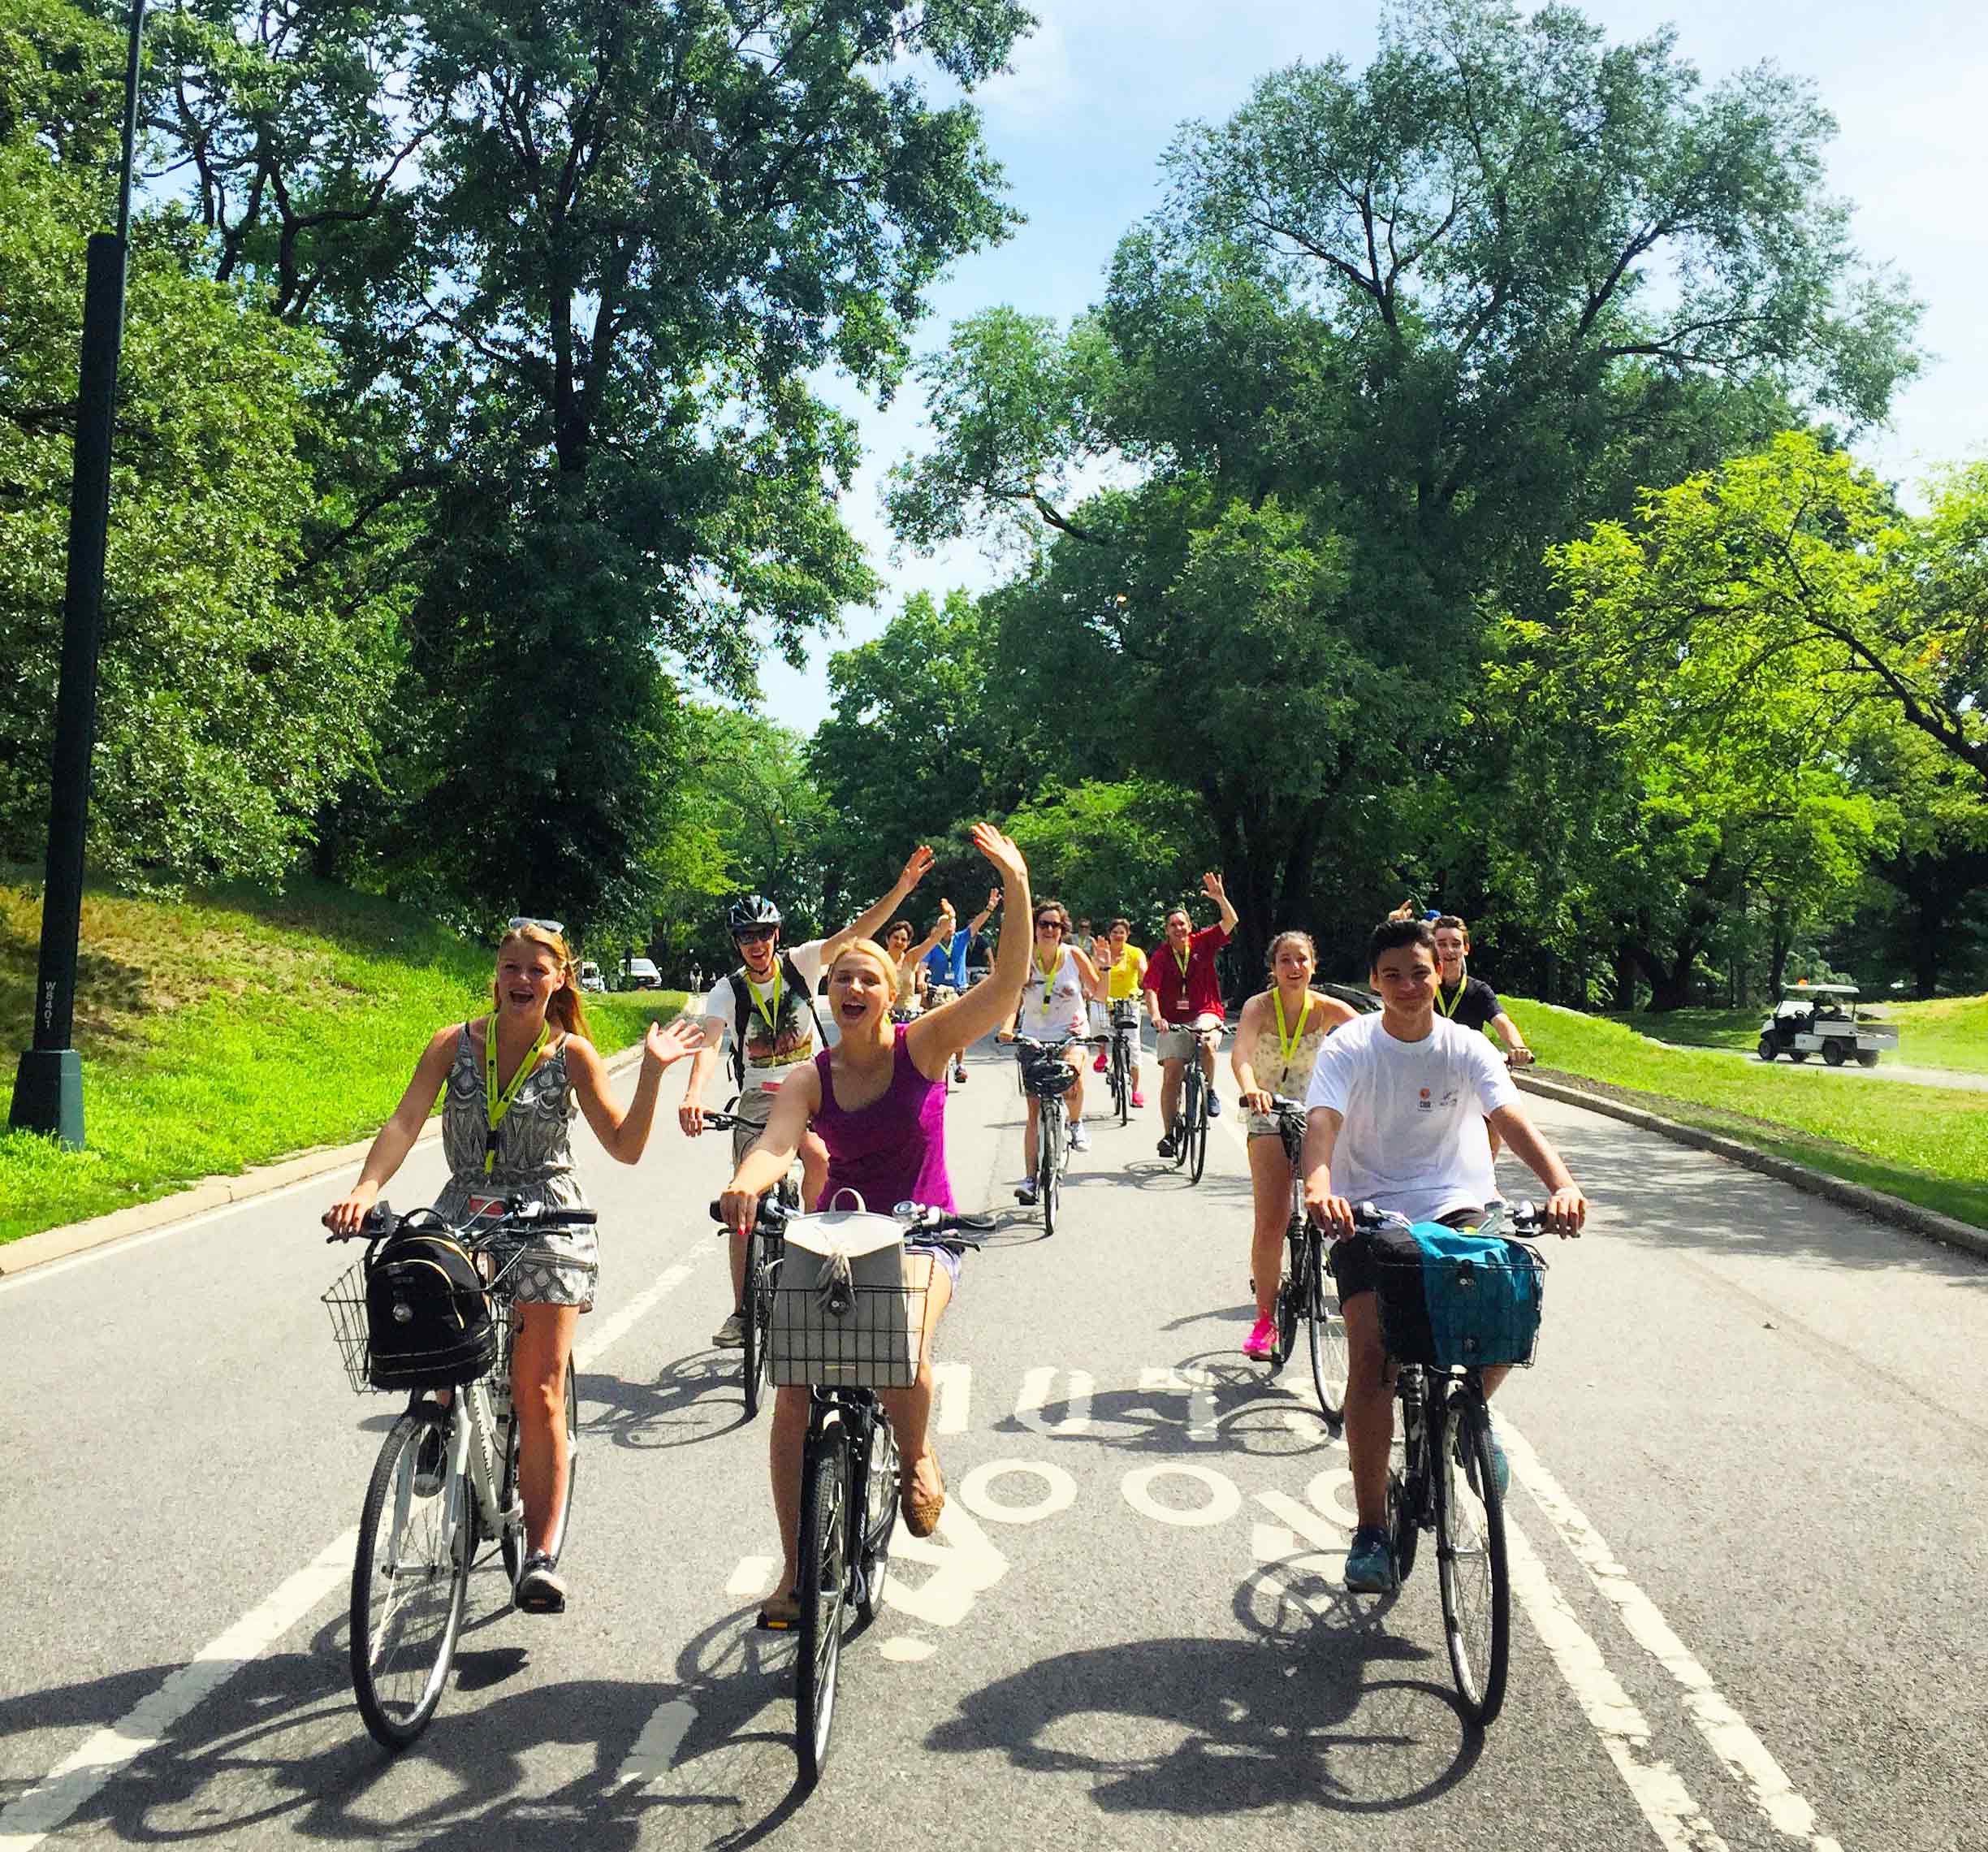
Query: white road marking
(1676, 1819)
(952, 1387)
(754, 1575)
(1746, 1758)
(1059, 1495)
(655, 1753)
(907, 1649)
(82, 1773)
(964, 1564)
(1223, 1500)
(1325, 1523)
(1198, 1386)
(1034, 1397)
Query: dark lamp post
(48, 1092)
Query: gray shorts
(756, 1108)
(944, 1257)
(559, 1267)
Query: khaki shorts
(756, 1108)
(1177, 1044)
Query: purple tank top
(893, 1151)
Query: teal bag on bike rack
(1457, 1299)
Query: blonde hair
(868, 949)
(563, 1008)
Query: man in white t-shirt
(767, 1008)
(1398, 1104)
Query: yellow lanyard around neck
(1449, 1008)
(1183, 959)
(497, 1104)
(770, 1017)
(1047, 972)
(1287, 1044)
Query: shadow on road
(695, 1398)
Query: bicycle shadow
(1312, 1711)
(695, 1398)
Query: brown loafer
(921, 1509)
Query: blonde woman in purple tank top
(877, 1100)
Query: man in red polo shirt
(1184, 992)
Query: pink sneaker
(1262, 1339)
(1100, 1064)
(1139, 1099)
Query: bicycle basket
(1048, 1077)
(1125, 1014)
(843, 1317)
(1452, 1299)
(345, 1300)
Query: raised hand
(1211, 886)
(994, 898)
(1001, 851)
(918, 868)
(667, 1046)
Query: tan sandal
(921, 1509)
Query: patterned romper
(534, 1160)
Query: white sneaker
(1080, 1136)
(731, 1335)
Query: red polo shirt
(1200, 993)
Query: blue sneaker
(1214, 1103)
(1370, 1563)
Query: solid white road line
(1745, 1756)
(655, 1749)
(82, 1774)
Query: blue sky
(1096, 93)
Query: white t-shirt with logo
(796, 1033)
(1054, 1009)
(1412, 1138)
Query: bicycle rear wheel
(1198, 1130)
(1470, 1559)
(512, 1541)
(1329, 1362)
(820, 1587)
(410, 1580)
(879, 1515)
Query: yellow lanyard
(1046, 971)
(1183, 959)
(496, 1104)
(1287, 1045)
(770, 1017)
(1449, 1009)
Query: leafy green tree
(233, 690)
(1135, 848)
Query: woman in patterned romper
(546, 1066)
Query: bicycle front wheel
(1050, 1163)
(410, 1577)
(512, 1541)
(756, 1315)
(1121, 1083)
(1329, 1361)
(880, 1523)
(1470, 1559)
(820, 1587)
(1198, 1130)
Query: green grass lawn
(1949, 1032)
(231, 1029)
(1928, 1144)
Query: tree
(1135, 848)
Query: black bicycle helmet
(755, 910)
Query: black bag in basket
(428, 1319)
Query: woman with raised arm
(1278, 1036)
(877, 1099)
(514, 1078)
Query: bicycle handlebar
(380, 1222)
(1032, 1045)
(1523, 1218)
(939, 1227)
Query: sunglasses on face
(757, 936)
(518, 921)
(1048, 925)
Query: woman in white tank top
(1061, 979)
(1277, 1039)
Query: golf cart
(1822, 1019)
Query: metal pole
(48, 1092)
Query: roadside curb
(1909, 1216)
(216, 1192)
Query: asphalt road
(1888, 1068)
(1749, 1549)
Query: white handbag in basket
(841, 1316)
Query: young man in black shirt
(1470, 1000)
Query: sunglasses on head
(519, 921)
(755, 935)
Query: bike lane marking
(655, 1753)
(87, 1770)
(1732, 1740)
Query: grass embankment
(232, 1029)
(1928, 1144)
(1949, 1032)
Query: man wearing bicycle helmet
(766, 1007)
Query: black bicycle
(1124, 1029)
(866, 1338)
(1306, 1293)
(762, 1259)
(1189, 1132)
(1447, 1482)
(447, 1476)
(1046, 1077)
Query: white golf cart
(1822, 1019)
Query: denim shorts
(944, 1257)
